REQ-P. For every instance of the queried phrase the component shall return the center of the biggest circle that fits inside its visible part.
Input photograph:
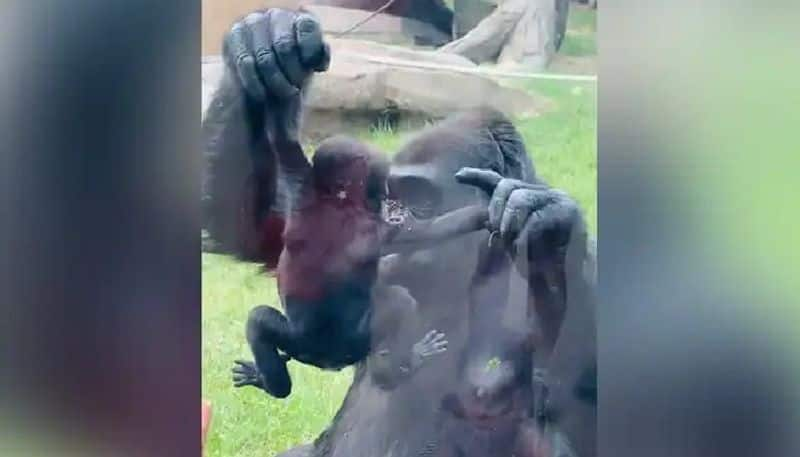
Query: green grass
(563, 141)
(248, 423)
(579, 40)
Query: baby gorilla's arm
(390, 361)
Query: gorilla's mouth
(488, 416)
(485, 414)
(395, 213)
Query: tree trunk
(485, 42)
(537, 35)
(519, 32)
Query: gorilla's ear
(517, 163)
(586, 387)
(377, 186)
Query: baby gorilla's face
(496, 389)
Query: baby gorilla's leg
(267, 330)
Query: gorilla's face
(426, 191)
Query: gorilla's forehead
(421, 170)
(441, 158)
(440, 170)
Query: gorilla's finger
(324, 60)
(485, 180)
(285, 46)
(239, 54)
(520, 205)
(258, 25)
(554, 216)
(245, 363)
(497, 204)
(273, 77)
(313, 52)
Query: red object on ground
(206, 420)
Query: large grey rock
(366, 86)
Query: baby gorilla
(489, 412)
(336, 310)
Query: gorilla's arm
(250, 131)
(545, 232)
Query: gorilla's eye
(421, 196)
(423, 210)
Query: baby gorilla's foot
(246, 374)
(276, 382)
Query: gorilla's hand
(528, 217)
(273, 53)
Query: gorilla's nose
(422, 258)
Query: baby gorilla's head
(496, 372)
(350, 171)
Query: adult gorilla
(473, 158)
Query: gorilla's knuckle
(283, 45)
(519, 198)
(236, 28)
(263, 57)
(559, 195)
(235, 37)
(254, 18)
(505, 184)
(244, 59)
(567, 205)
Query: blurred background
(100, 288)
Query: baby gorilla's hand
(432, 343)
